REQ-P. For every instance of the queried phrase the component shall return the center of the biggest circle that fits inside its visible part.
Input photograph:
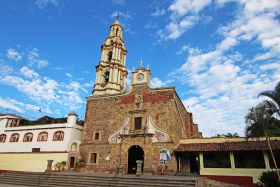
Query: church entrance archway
(135, 152)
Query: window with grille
(28, 137)
(14, 137)
(43, 136)
(58, 136)
(3, 138)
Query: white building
(27, 145)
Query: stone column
(266, 160)
(49, 166)
(232, 163)
(124, 60)
(139, 168)
(111, 74)
(201, 163)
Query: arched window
(14, 137)
(58, 136)
(43, 136)
(74, 147)
(3, 138)
(110, 55)
(28, 137)
(106, 76)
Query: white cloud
(42, 4)
(270, 66)
(226, 85)
(176, 28)
(5, 69)
(45, 91)
(151, 25)
(14, 55)
(18, 106)
(156, 82)
(263, 56)
(183, 49)
(28, 72)
(36, 89)
(10, 104)
(257, 20)
(34, 59)
(183, 7)
(68, 75)
(158, 12)
(184, 15)
(88, 84)
(42, 63)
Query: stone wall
(108, 114)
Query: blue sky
(219, 54)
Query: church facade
(125, 125)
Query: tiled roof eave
(228, 146)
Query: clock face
(140, 76)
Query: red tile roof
(228, 146)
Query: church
(125, 126)
(132, 129)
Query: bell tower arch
(111, 72)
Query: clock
(140, 76)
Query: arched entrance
(72, 162)
(135, 152)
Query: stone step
(81, 178)
(68, 182)
(100, 183)
(89, 180)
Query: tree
(232, 135)
(273, 105)
(263, 120)
(260, 122)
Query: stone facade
(164, 122)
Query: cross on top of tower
(117, 16)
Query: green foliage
(265, 117)
(60, 166)
(269, 179)
(260, 121)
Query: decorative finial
(117, 16)
(133, 68)
(141, 63)
(148, 66)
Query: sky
(219, 54)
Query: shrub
(269, 179)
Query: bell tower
(111, 72)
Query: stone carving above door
(157, 134)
